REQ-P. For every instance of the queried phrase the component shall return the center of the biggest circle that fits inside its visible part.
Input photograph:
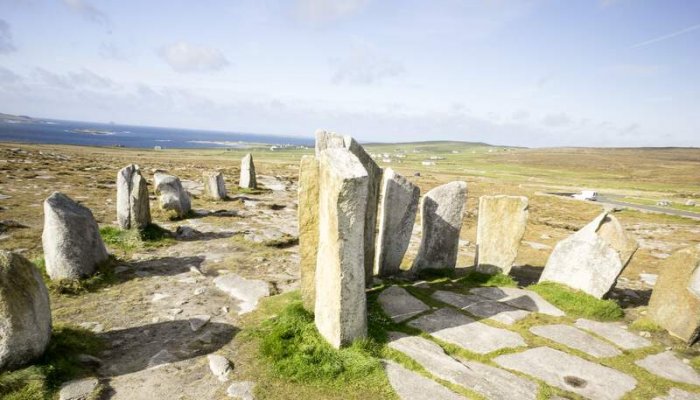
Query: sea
(52, 131)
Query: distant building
(157, 148)
(428, 163)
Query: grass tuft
(480, 279)
(645, 324)
(104, 276)
(128, 240)
(577, 303)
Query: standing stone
(675, 301)
(308, 228)
(133, 206)
(341, 304)
(72, 243)
(173, 196)
(214, 185)
(441, 220)
(329, 140)
(25, 315)
(592, 258)
(397, 214)
(248, 180)
(501, 226)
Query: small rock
(198, 321)
(219, 366)
(175, 311)
(241, 390)
(78, 389)
(199, 290)
(159, 297)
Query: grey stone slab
(456, 328)
(519, 298)
(491, 382)
(409, 385)
(677, 394)
(615, 333)
(481, 307)
(399, 305)
(667, 365)
(79, 389)
(570, 373)
(247, 291)
(576, 339)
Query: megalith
(71, 239)
(172, 195)
(593, 258)
(501, 225)
(308, 228)
(214, 185)
(133, 206)
(341, 304)
(441, 211)
(248, 180)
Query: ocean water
(96, 134)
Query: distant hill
(438, 146)
(15, 118)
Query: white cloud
(364, 65)
(323, 11)
(187, 57)
(6, 44)
(76, 79)
(88, 11)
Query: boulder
(341, 304)
(675, 301)
(72, 244)
(501, 226)
(592, 258)
(214, 185)
(308, 228)
(442, 209)
(133, 206)
(25, 315)
(397, 214)
(172, 195)
(248, 180)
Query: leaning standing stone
(501, 226)
(72, 243)
(25, 315)
(172, 195)
(248, 180)
(308, 228)
(341, 305)
(133, 207)
(675, 301)
(592, 258)
(214, 185)
(441, 220)
(397, 214)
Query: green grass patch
(282, 242)
(578, 304)
(104, 276)
(480, 279)
(128, 240)
(645, 324)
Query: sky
(529, 73)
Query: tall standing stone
(71, 239)
(442, 209)
(341, 304)
(592, 258)
(398, 205)
(308, 228)
(172, 195)
(133, 206)
(675, 301)
(329, 140)
(214, 185)
(501, 226)
(248, 180)
(25, 315)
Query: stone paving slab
(576, 339)
(519, 298)
(677, 394)
(409, 385)
(667, 365)
(481, 307)
(615, 333)
(493, 383)
(399, 305)
(570, 373)
(456, 328)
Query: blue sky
(530, 73)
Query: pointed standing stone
(308, 228)
(173, 196)
(133, 206)
(442, 209)
(248, 180)
(397, 214)
(341, 304)
(501, 226)
(71, 239)
(214, 185)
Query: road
(613, 201)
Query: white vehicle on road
(589, 195)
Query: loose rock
(219, 366)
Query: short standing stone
(615, 333)
(441, 221)
(592, 258)
(214, 185)
(248, 179)
(667, 365)
(72, 244)
(397, 214)
(308, 229)
(133, 206)
(399, 305)
(501, 226)
(25, 315)
(173, 196)
(675, 301)
(81, 389)
(409, 385)
(576, 339)
(341, 304)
